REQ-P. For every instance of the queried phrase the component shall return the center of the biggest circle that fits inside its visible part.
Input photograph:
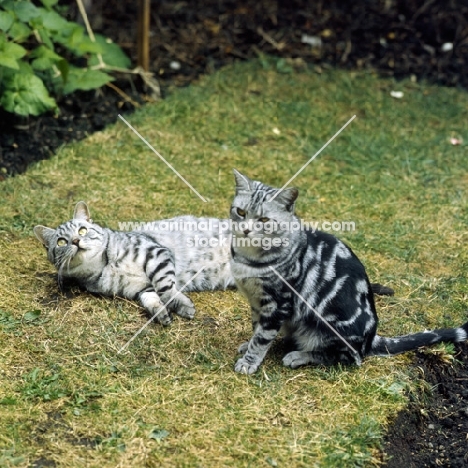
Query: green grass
(172, 399)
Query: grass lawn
(172, 398)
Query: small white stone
(396, 94)
(447, 47)
(175, 65)
(314, 41)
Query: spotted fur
(311, 286)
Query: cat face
(72, 243)
(257, 216)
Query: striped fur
(334, 320)
(134, 265)
(151, 264)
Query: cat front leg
(256, 351)
(161, 271)
(255, 317)
(265, 332)
(174, 299)
(153, 304)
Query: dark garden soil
(433, 430)
(421, 39)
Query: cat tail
(382, 346)
(382, 290)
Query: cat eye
(82, 231)
(62, 242)
(240, 212)
(264, 220)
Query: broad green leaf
(76, 37)
(8, 62)
(85, 45)
(158, 434)
(44, 52)
(36, 23)
(64, 68)
(45, 37)
(6, 20)
(10, 49)
(31, 316)
(70, 36)
(25, 94)
(19, 32)
(7, 5)
(112, 54)
(42, 64)
(25, 68)
(26, 11)
(85, 80)
(52, 20)
(49, 3)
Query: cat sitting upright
(134, 264)
(306, 283)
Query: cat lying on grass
(135, 264)
(311, 286)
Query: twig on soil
(270, 40)
(146, 76)
(123, 94)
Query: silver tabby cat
(308, 284)
(150, 266)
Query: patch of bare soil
(435, 433)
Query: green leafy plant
(43, 55)
(45, 386)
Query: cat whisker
(61, 264)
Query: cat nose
(76, 242)
(247, 231)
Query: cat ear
(82, 211)
(44, 234)
(242, 181)
(287, 197)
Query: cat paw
(185, 307)
(242, 349)
(186, 311)
(164, 318)
(296, 359)
(244, 367)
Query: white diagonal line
(353, 351)
(312, 158)
(160, 309)
(162, 159)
